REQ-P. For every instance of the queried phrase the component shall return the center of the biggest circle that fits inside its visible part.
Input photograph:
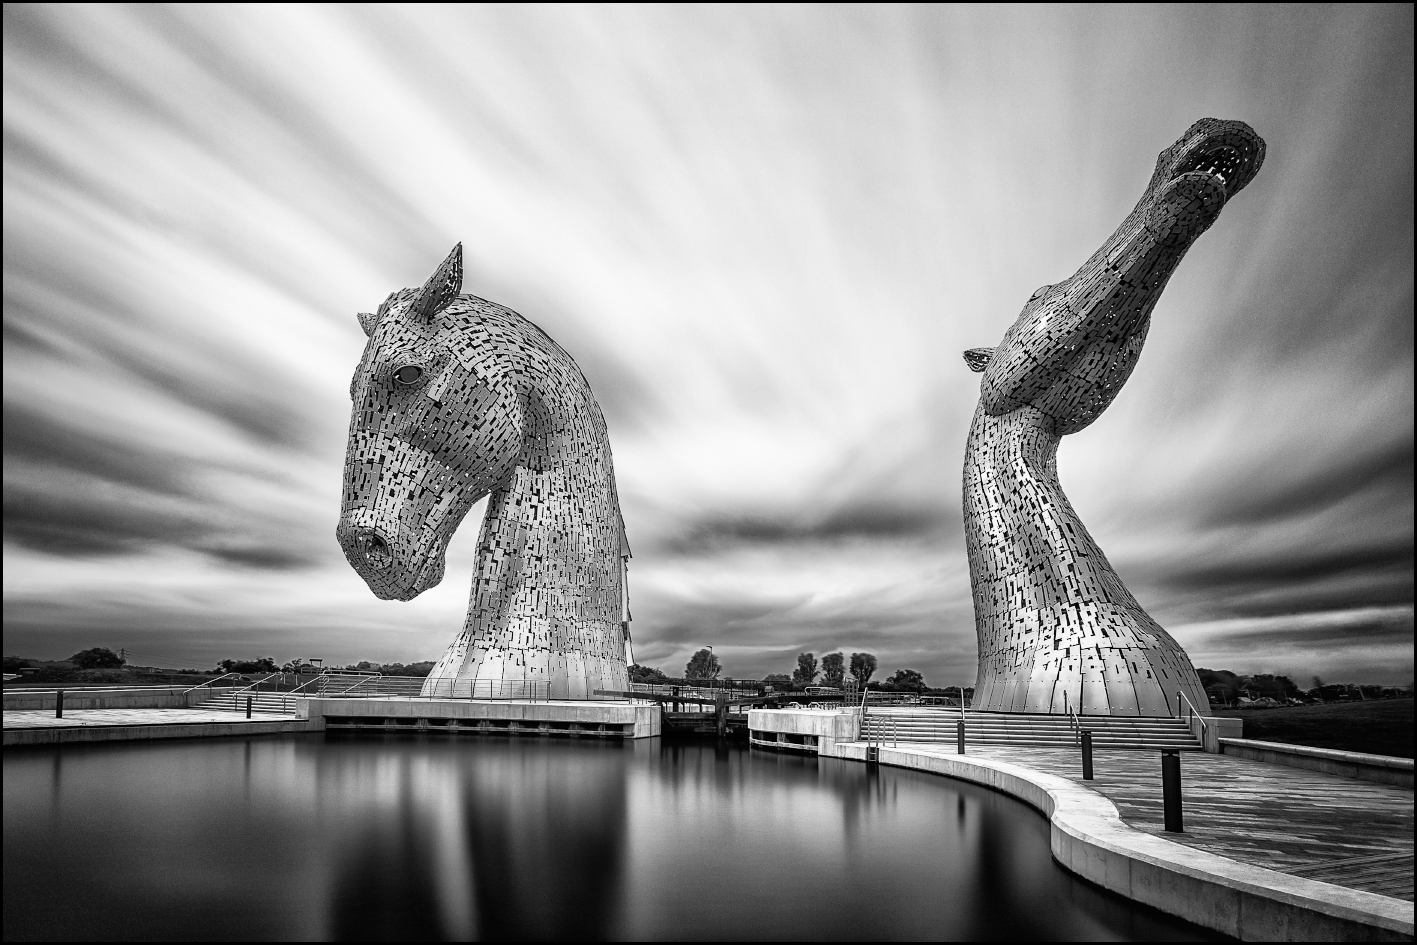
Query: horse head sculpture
(1058, 631)
(457, 398)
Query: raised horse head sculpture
(455, 398)
(1058, 631)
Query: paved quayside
(1269, 852)
(1298, 822)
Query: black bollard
(59, 704)
(959, 737)
(248, 707)
(1171, 790)
(1086, 755)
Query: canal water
(372, 837)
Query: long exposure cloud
(766, 234)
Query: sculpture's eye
(1038, 292)
(408, 374)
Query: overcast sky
(766, 234)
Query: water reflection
(393, 838)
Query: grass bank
(1379, 727)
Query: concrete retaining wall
(1212, 729)
(1384, 769)
(644, 719)
(812, 730)
(155, 698)
(62, 735)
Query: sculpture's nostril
(375, 550)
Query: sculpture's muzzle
(385, 528)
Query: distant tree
(99, 657)
(833, 669)
(407, 669)
(1266, 686)
(907, 680)
(263, 665)
(702, 665)
(778, 680)
(863, 667)
(647, 674)
(13, 664)
(806, 672)
(1221, 684)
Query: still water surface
(370, 837)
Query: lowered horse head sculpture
(1058, 631)
(455, 398)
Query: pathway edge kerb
(1329, 754)
(1089, 837)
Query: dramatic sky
(766, 234)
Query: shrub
(646, 674)
(99, 657)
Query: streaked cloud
(765, 233)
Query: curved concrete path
(1090, 838)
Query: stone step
(264, 702)
(1069, 733)
(1028, 730)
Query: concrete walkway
(1351, 833)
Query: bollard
(248, 707)
(1171, 790)
(59, 704)
(1086, 755)
(959, 737)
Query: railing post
(248, 707)
(1171, 790)
(59, 704)
(959, 737)
(1086, 755)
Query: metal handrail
(348, 689)
(1076, 726)
(211, 682)
(1191, 711)
(257, 684)
(313, 681)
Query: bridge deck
(1351, 833)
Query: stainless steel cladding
(1058, 630)
(455, 398)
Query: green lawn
(1380, 727)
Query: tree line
(830, 671)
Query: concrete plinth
(814, 731)
(489, 717)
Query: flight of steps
(266, 703)
(904, 725)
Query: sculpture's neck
(1027, 547)
(556, 523)
(547, 599)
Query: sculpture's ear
(441, 288)
(978, 359)
(368, 321)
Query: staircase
(267, 703)
(887, 725)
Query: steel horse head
(457, 398)
(1057, 629)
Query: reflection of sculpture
(1057, 628)
(457, 397)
